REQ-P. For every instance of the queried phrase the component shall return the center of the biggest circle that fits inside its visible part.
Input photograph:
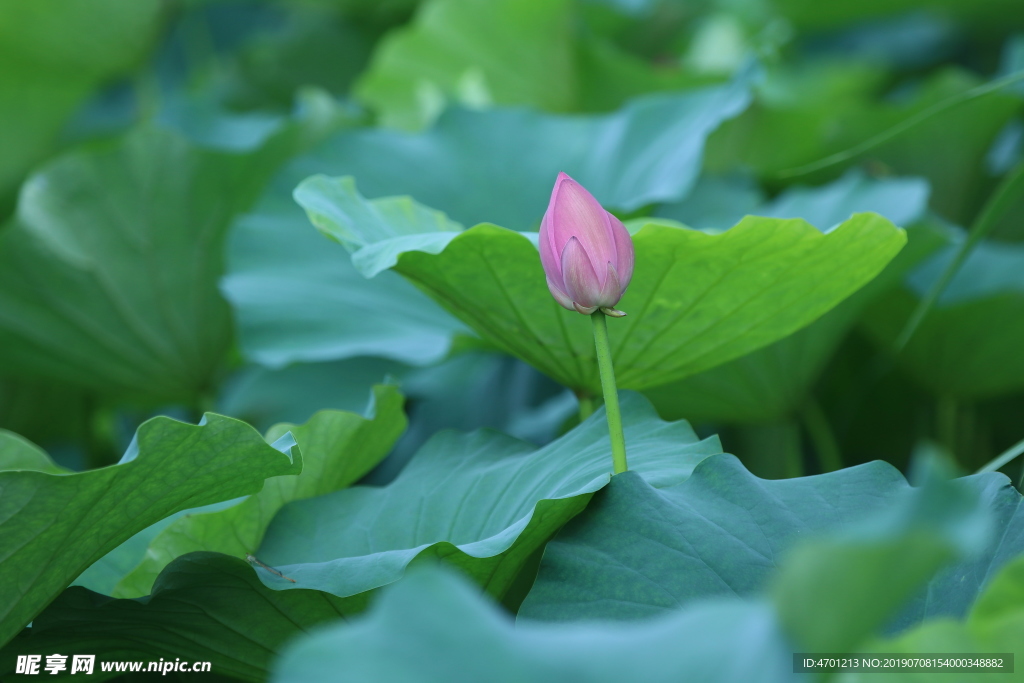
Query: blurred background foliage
(152, 260)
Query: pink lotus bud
(586, 252)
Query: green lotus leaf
(696, 299)
(205, 607)
(956, 350)
(480, 53)
(53, 526)
(874, 565)
(773, 382)
(337, 448)
(108, 276)
(296, 298)
(486, 503)
(994, 625)
(18, 453)
(805, 116)
(810, 15)
(481, 501)
(846, 556)
(293, 301)
(434, 626)
(53, 54)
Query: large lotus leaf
(885, 556)
(968, 345)
(204, 607)
(807, 14)
(315, 44)
(477, 51)
(507, 52)
(999, 612)
(108, 278)
(638, 552)
(104, 574)
(296, 298)
(337, 449)
(434, 627)
(994, 625)
(482, 501)
(18, 453)
(53, 526)
(720, 201)
(837, 592)
(783, 133)
(473, 390)
(725, 531)
(264, 397)
(53, 53)
(499, 165)
(696, 299)
(772, 382)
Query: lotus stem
(611, 392)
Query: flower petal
(575, 213)
(560, 295)
(585, 310)
(623, 252)
(578, 275)
(549, 253)
(611, 291)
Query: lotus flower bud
(586, 252)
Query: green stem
(1003, 458)
(904, 125)
(611, 393)
(947, 414)
(586, 405)
(822, 436)
(1002, 197)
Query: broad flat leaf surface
(696, 299)
(108, 278)
(18, 453)
(719, 202)
(204, 607)
(434, 627)
(104, 574)
(53, 526)
(337, 449)
(499, 165)
(968, 346)
(808, 14)
(422, 629)
(772, 382)
(263, 397)
(482, 501)
(811, 120)
(995, 624)
(296, 298)
(479, 53)
(837, 592)
(52, 54)
(638, 552)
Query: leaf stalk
(611, 393)
(1004, 195)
